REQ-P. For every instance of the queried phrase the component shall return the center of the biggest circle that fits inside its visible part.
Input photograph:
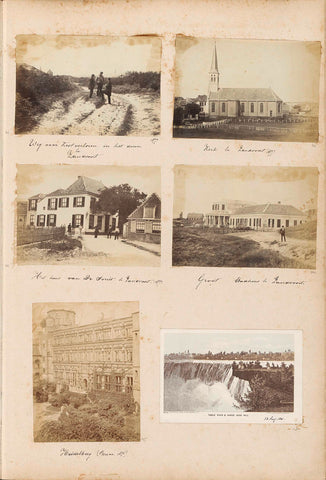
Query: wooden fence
(33, 235)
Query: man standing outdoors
(108, 90)
(100, 83)
(282, 232)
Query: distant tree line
(288, 355)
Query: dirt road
(129, 114)
(302, 250)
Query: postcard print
(246, 89)
(231, 376)
(88, 215)
(88, 85)
(86, 383)
(229, 216)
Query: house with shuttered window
(144, 223)
(74, 205)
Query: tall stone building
(103, 355)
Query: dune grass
(209, 248)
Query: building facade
(102, 356)
(238, 102)
(144, 223)
(267, 216)
(75, 206)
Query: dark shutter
(82, 220)
(67, 201)
(49, 203)
(75, 201)
(83, 202)
(47, 220)
(38, 221)
(73, 219)
(54, 220)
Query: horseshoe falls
(202, 387)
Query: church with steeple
(239, 102)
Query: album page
(163, 234)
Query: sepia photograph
(229, 371)
(246, 89)
(88, 85)
(86, 385)
(229, 216)
(88, 215)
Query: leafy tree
(192, 109)
(259, 398)
(123, 198)
(178, 116)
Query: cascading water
(202, 386)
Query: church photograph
(246, 89)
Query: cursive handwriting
(208, 281)
(65, 452)
(98, 278)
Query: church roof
(81, 186)
(269, 209)
(214, 65)
(245, 94)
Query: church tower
(214, 75)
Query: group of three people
(99, 82)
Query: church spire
(214, 75)
(214, 66)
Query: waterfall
(195, 386)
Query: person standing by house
(108, 90)
(282, 232)
(116, 233)
(100, 83)
(91, 85)
(96, 231)
(69, 228)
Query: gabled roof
(39, 196)
(81, 186)
(152, 200)
(269, 209)
(245, 94)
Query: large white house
(238, 102)
(75, 205)
(259, 217)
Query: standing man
(116, 233)
(282, 232)
(91, 85)
(108, 90)
(100, 83)
(96, 231)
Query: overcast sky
(87, 312)
(84, 55)
(198, 187)
(291, 69)
(34, 179)
(202, 342)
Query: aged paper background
(167, 451)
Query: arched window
(242, 107)
(261, 108)
(252, 108)
(223, 107)
(213, 106)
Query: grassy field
(209, 248)
(305, 231)
(303, 133)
